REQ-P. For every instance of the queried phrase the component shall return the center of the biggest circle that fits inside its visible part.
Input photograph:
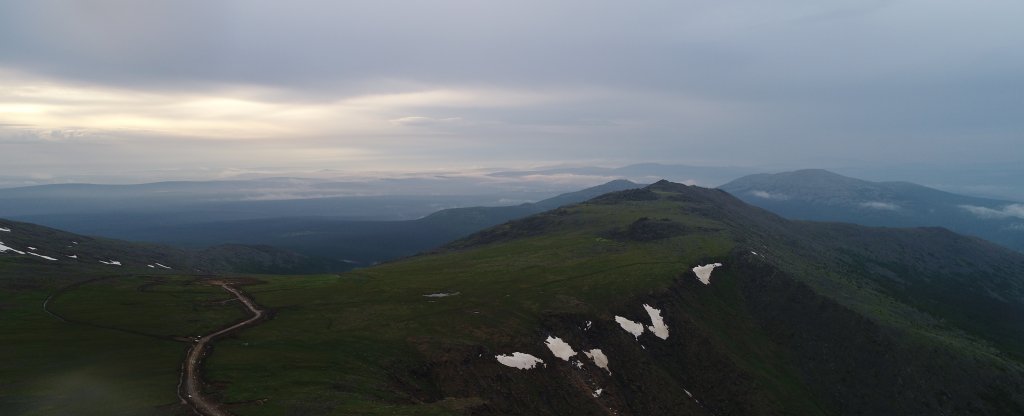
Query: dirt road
(190, 387)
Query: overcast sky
(125, 85)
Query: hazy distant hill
(825, 196)
(644, 172)
(116, 210)
(361, 242)
(119, 211)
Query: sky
(186, 88)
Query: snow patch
(588, 325)
(634, 328)
(6, 230)
(658, 326)
(4, 248)
(162, 266)
(441, 295)
(599, 359)
(33, 248)
(519, 360)
(151, 266)
(688, 393)
(559, 348)
(704, 272)
(45, 257)
(73, 256)
(111, 262)
(597, 393)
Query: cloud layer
(111, 84)
(1008, 211)
(880, 205)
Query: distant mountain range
(643, 172)
(367, 226)
(821, 195)
(360, 242)
(308, 243)
(115, 210)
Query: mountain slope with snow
(573, 311)
(24, 242)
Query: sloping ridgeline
(820, 195)
(69, 253)
(360, 243)
(800, 318)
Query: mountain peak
(625, 182)
(815, 171)
(804, 179)
(817, 176)
(682, 191)
(668, 186)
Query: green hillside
(73, 253)
(789, 330)
(800, 319)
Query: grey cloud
(658, 45)
(749, 82)
(425, 121)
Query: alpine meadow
(464, 208)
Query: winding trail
(190, 386)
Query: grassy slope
(369, 342)
(364, 322)
(89, 251)
(130, 367)
(341, 335)
(342, 345)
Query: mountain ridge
(820, 195)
